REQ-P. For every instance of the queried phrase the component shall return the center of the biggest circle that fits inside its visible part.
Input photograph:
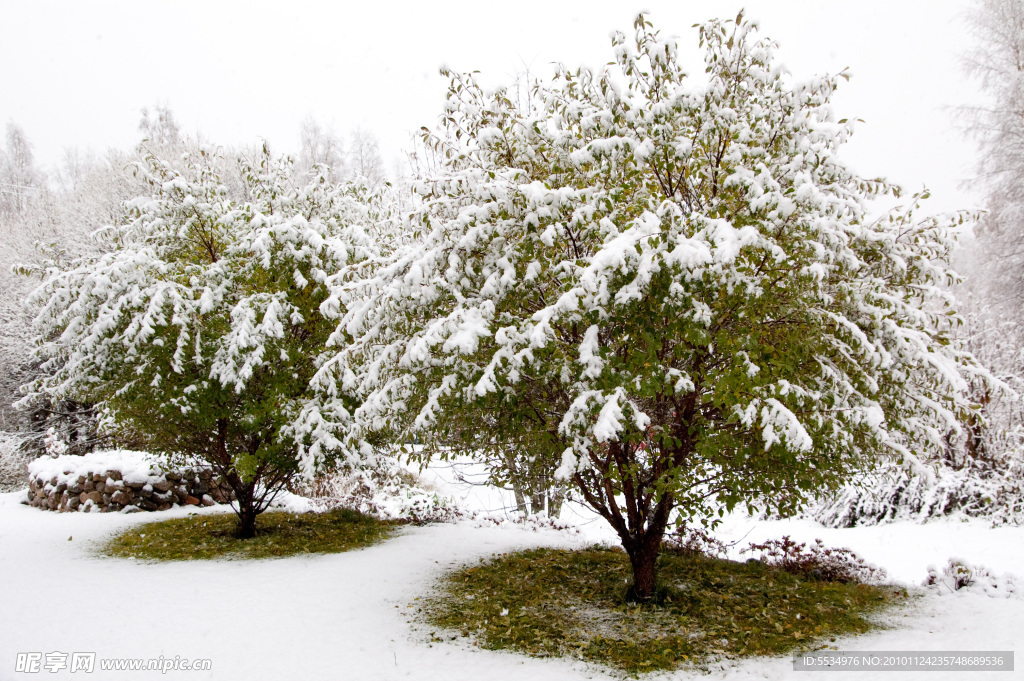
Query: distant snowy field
(352, 615)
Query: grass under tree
(278, 534)
(549, 602)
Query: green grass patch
(278, 534)
(548, 602)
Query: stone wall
(109, 491)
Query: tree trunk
(520, 498)
(245, 492)
(509, 461)
(246, 522)
(537, 498)
(624, 496)
(555, 499)
(245, 497)
(643, 558)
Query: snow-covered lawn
(351, 615)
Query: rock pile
(81, 487)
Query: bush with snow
(817, 561)
(695, 540)
(959, 575)
(893, 492)
(386, 491)
(530, 521)
(391, 492)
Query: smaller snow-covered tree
(200, 329)
(670, 289)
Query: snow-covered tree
(199, 329)
(669, 288)
(996, 122)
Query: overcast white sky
(78, 72)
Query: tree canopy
(669, 288)
(198, 326)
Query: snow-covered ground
(352, 615)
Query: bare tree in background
(161, 127)
(319, 145)
(75, 166)
(364, 157)
(20, 181)
(992, 297)
(360, 159)
(997, 126)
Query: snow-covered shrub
(53, 443)
(893, 492)
(529, 521)
(816, 561)
(960, 575)
(387, 491)
(695, 540)
(391, 492)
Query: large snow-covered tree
(669, 287)
(199, 327)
